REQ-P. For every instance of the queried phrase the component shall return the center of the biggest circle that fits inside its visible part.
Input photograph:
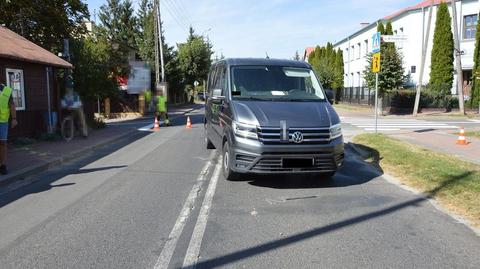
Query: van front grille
(311, 136)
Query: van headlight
(335, 131)
(245, 130)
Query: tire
(68, 128)
(206, 140)
(227, 172)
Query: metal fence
(358, 95)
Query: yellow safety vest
(4, 107)
(161, 103)
(148, 95)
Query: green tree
(194, 58)
(475, 94)
(322, 60)
(46, 23)
(146, 33)
(391, 75)
(92, 75)
(441, 72)
(297, 56)
(119, 26)
(339, 77)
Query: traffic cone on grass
(461, 137)
(189, 123)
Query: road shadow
(75, 167)
(353, 172)
(254, 251)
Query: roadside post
(375, 69)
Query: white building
(412, 23)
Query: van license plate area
(297, 162)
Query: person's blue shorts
(3, 131)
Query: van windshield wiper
(255, 98)
(299, 100)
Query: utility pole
(159, 28)
(157, 64)
(458, 60)
(422, 63)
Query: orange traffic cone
(461, 137)
(156, 125)
(189, 123)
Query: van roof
(263, 61)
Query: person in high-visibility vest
(148, 99)
(161, 107)
(7, 109)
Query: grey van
(271, 116)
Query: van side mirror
(217, 96)
(330, 96)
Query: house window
(353, 53)
(366, 47)
(359, 53)
(15, 81)
(346, 57)
(470, 26)
(413, 69)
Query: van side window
(211, 80)
(220, 80)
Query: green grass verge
(455, 183)
(473, 134)
(349, 107)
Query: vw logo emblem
(297, 137)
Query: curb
(35, 169)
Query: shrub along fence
(400, 101)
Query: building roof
(420, 5)
(264, 61)
(17, 47)
(423, 4)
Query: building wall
(30, 120)
(413, 25)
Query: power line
(182, 7)
(182, 12)
(174, 16)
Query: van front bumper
(250, 156)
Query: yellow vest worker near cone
(7, 109)
(161, 107)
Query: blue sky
(249, 28)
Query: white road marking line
(475, 120)
(166, 255)
(382, 129)
(411, 127)
(193, 250)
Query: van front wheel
(228, 174)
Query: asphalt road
(157, 200)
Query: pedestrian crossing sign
(376, 40)
(376, 62)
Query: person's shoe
(3, 169)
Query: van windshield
(275, 83)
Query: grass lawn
(454, 183)
(349, 107)
(473, 134)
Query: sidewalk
(444, 142)
(29, 160)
